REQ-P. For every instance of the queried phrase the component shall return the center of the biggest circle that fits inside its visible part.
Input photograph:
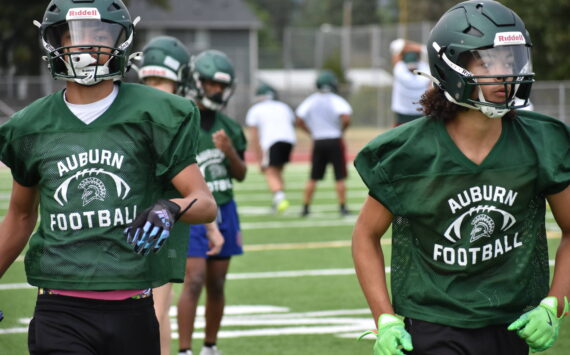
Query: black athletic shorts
(436, 339)
(279, 153)
(327, 151)
(80, 326)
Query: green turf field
(293, 292)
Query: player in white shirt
(271, 130)
(408, 87)
(325, 116)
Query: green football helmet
(166, 57)
(215, 66)
(327, 81)
(494, 36)
(265, 91)
(87, 41)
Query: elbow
(241, 174)
(209, 210)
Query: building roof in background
(195, 14)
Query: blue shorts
(228, 223)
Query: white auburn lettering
(93, 156)
(477, 194)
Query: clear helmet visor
(498, 76)
(86, 51)
(498, 62)
(85, 34)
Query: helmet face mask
(87, 42)
(167, 58)
(211, 67)
(506, 66)
(482, 46)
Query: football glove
(391, 336)
(539, 327)
(152, 226)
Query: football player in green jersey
(91, 160)
(465, 190)
(164, 66)
(220, 156)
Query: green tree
(549, 29)
(547, 23)
(19, 47)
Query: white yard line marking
(345, 221)
(290, 246)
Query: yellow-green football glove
(391, 336)
(539, 327)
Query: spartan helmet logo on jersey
(121, 187)
(483, 226)
(482, 223)
(87, 41)
(214, 66)
(487, 32)
(166, 57)
(93, 189)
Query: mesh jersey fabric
(469, 241)
(93, 179)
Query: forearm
(561, 280)
(238, 168)
(345, 122)
(203, 211)
(370, 270)
(212, 227)
(14, 234)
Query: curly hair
(435, 104)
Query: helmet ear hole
(113, 7)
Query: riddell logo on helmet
(509, 38)
(83, 13)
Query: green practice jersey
(94, 179)
(213, 164)
(468, 241)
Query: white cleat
(210, 351)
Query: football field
(293, 292)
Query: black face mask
(217, 98)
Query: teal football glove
(539, 327)
(391, 336)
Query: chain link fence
(361, 53)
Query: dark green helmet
(166, 57)
(215, 66)
(483, 31)
(327, 81)
(87, 41)
(265, 91)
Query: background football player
(165, 66)
(220, 156)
